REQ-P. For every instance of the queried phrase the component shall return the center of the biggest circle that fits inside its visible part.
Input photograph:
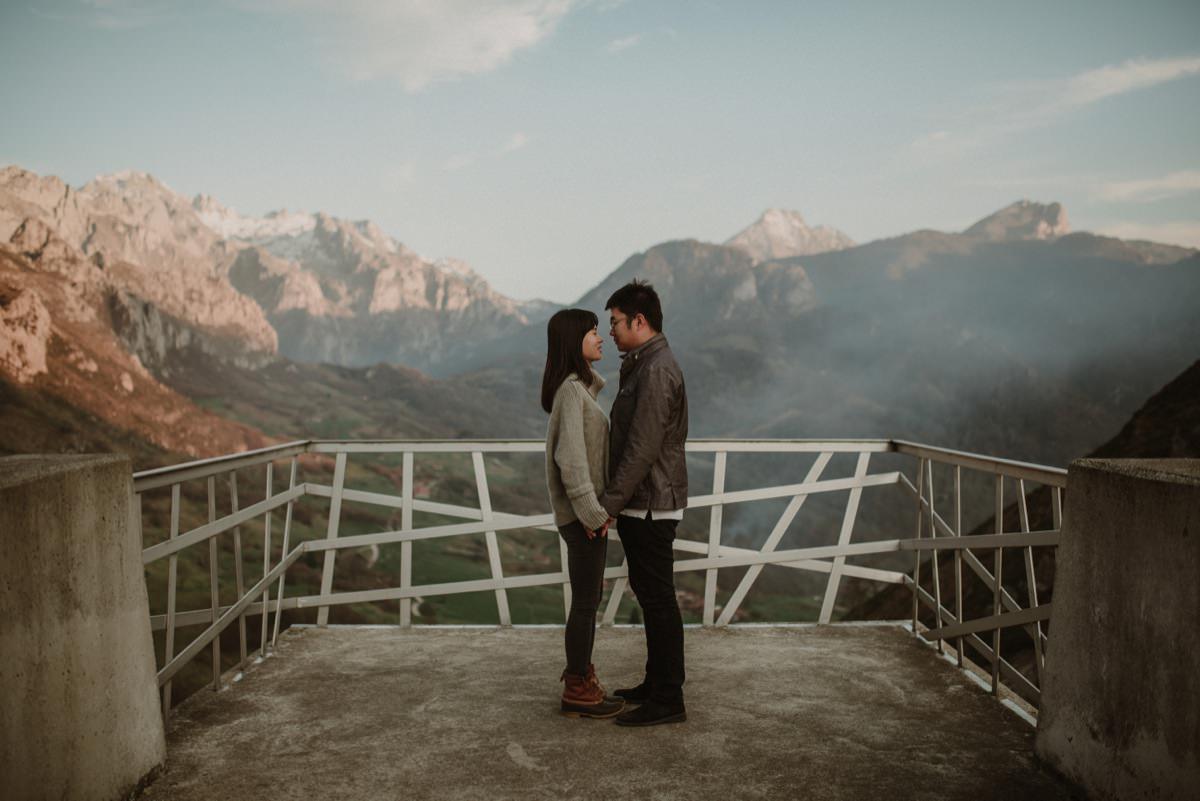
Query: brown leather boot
(582, 698)
(591, 676)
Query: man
(647, 492)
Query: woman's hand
(600, 532)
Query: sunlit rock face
(148, 240)
(1022, 220)
(344, 291)
(338, 290)
(782, 234)
(24, 333)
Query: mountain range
(1014, 336)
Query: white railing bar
(172, 586)
(212, 633)
(198, 617)
(335, 519)
(992, 623)
(266, 597)
(418, 504)
(428, 446)
(1042, 474)
(933, 563)
(972, 561)
(997, 571)
(618, 592)
(919, 491)
(789, 446)
(847, 530)
(429, 533)
(214, 582)
(238, 569)
(1018, 683)
(773, 539)
(958, 558)
(283, 549)
(1009, 539)
(493, 546)
(211, 529)
(784, 491)
(1031, 580)
(714, 537)
(406, 522)
(203, 468)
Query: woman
(576, 469)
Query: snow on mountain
(782, 234)
(228, 224)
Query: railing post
(283, 552)
(406, 524)
(998, 585)
(214, 584)
(238, 579)
(958, 561)
(1031, 581)
(916, 599)
(266, 596)
(937, 578)
(335, 515)
(172, 585)
(848, 518)
(493, 547)
(714, 539)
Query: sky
(546, 141)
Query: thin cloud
(108, 15)
(515, 142)
(1094, 85)
(624, 43)
(1152, 189)
(422, 42)
(1019, 107)
(1184, 233)
(459, 161)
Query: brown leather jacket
(648, 428)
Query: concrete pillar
(1120, 711)
(79, 712)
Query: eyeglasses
(614, 321)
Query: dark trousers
(647, 545)
(585, 565)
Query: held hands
(600, 532)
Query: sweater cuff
(590, 512)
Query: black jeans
(647, 545)
(585, 565)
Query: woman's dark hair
(564, 351)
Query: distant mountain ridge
(782, 234)
(336, 290)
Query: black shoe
(653, 713)
(635, 695)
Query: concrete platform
(831, 712)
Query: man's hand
(600, 532)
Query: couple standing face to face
(629, 464)
(627, 333)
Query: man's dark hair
(564, 351)
(638, 297)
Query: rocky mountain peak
(229, 224)
(782, 234)
(1022, 220)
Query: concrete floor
(831, 712)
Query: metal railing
(933, 536)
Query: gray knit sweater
(577, 453)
